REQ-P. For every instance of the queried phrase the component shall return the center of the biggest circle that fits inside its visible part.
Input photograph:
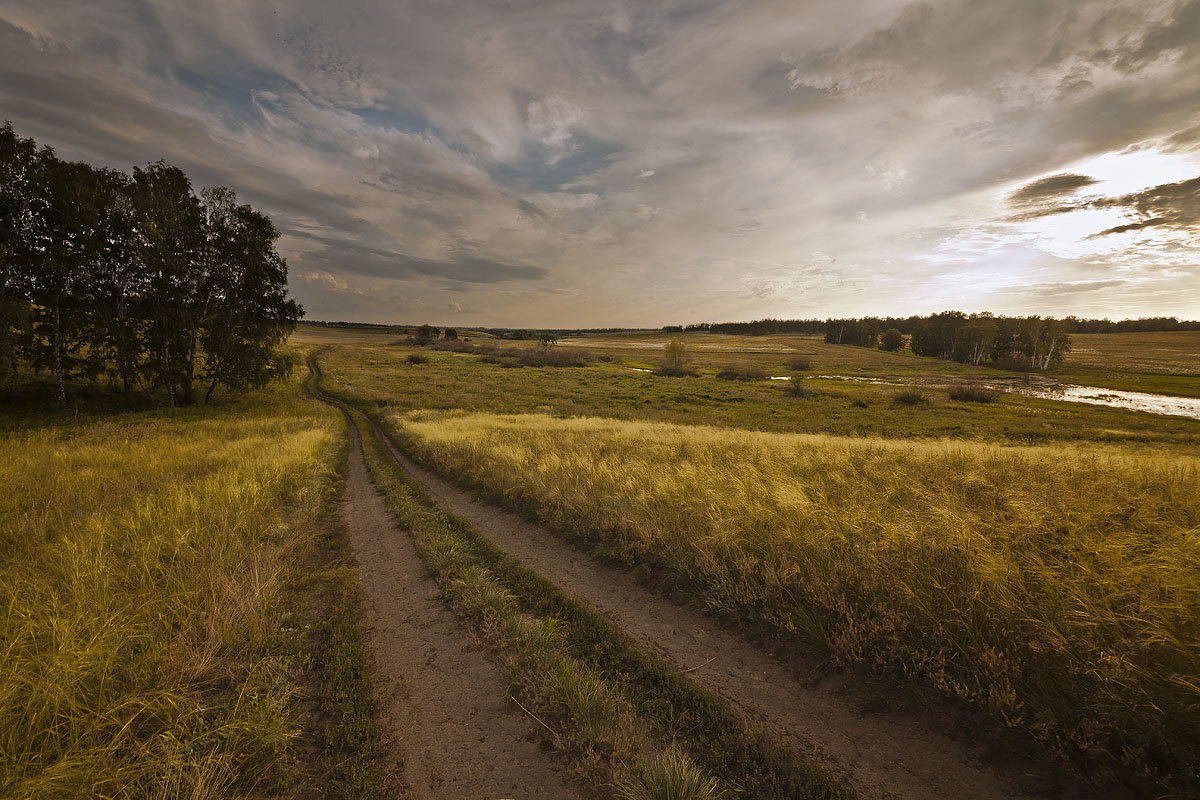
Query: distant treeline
(136, 278)
(908, 325)
(1030, 343)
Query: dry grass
(141, 598)
(1058, 588)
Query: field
(1034, 558)
(182, 615)
(148, 595)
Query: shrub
(800, 363)
(797, 387)
(743, 373)
(974, 394)
(910, 397)
(417, 358)
(858, 402)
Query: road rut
(444, 703)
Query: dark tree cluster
(1140, 325)
(1029, 343)
(908, 325)
(135, 278)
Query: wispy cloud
(590, 163)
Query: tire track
(443, 702)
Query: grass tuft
(669, 776)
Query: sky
(649, 162)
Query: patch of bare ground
(444, 703)
(916, 755)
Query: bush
(676, 371)
(743, 373)
(858, 402)
(974, 394)
(417, 358)
(800, 363)
(797, 387)
(910, 397)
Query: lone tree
(426, 334)
(451, 334)
(892, 340)
(674, 358)
(547, 339)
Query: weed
(742, 373)
(910, 397)
(800, 363)
(669, 776)
(973, 394)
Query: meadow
(148, 597)
(846, 391)
(1034, 558)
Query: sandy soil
(881, 755)
(444, 703)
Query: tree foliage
(134, 277)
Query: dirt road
(444, 703)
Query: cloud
(1050, 187)
(579, 163)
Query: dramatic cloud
(609, 162)
(1050, 187)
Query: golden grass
(141, 598)
(1056, 587)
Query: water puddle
(1136, 401)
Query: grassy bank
(1059, 589)
(632, 726)
(149, 598)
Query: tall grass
(141, 603)
(1057, 588)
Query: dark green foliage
(742, 373)
(135, 278)
(892, 340)
(450, 334)
(417, 358)
(858, 332)
(426, 334)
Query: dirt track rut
(881, 756)
(443, 702)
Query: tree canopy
(135, 277)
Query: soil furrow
(879, 755)
(444, 703)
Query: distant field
(380, 375)
(141, 594)
(1058, 588)
(1171, 352)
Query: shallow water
(1137, 401)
